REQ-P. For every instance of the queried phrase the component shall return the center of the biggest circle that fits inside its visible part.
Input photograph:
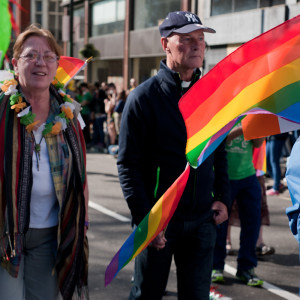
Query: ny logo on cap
(191, 18)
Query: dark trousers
(247, 193)
(98, 135)
(191, 243)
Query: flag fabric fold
(261, 125)
(261, 78)
(260, 159)
(68, 68)
(156, 220)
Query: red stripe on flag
(70, 63)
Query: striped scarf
(15, 191)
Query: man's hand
(221, 213)
(160, 241)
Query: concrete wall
(145, 43)
(294, 10)
(111, 46)
(243, 26)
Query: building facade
(48, 13)
(126, 31)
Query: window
(38, 19)
(219, 7)
(245, 5)
(266, 3)
(108, 17)
(59, 37)
(52, 6)
(149, 13)
(79, 12)
(39, 6)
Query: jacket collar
(172, 77)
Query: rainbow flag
(68, 68)
(260, 159)
(156, 220)
(260, 77)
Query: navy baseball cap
(182, 22)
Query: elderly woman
(43, 185)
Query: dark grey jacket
(152, 152)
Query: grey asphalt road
(110, 226)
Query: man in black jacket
(152, 156)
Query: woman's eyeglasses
(33, 57)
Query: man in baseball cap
(152, 144)
(182, 22)
(182, 39)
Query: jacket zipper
(157, 182)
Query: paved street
(110, 226)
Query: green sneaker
(249, 277)
(217, 276)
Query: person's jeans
(274, 151)
(36, 279)
(191, 243)
(247, 193)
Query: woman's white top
(44, 207)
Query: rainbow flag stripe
(68, 68)
(262, 75)
(261, 125)
(260, 159)
(156, 220)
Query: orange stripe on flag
(267, 124)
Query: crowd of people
(43, 250)
(102, 106)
